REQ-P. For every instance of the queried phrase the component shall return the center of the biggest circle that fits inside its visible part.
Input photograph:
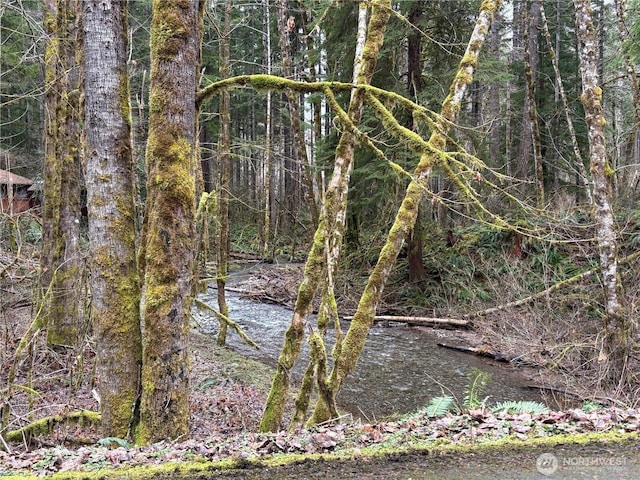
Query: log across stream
(399, 371)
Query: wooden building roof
(8, 177)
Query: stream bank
(400, 370)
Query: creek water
(400, 369)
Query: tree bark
(618, 326)
(169, 229)
(222, 183)
(578, 161)
(531, 69)
(414, 86)
(331, 223)
(286, 25)
(363, 319)
(109, 175)
(62, 262)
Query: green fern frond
(478, 381)
(438, 406)
(521, 406)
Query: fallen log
(481, 352)
(420, 321)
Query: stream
(401, 368)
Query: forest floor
(227, 396)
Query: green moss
(438, 451)
(123, 97)
(46, 425)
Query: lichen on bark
(109, 176)
(62, 262)
(615, 344)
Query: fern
(438, 406)
(522, 406)
(108, 441)
(478, 381)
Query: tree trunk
(578, 162)
(62, 262)
(286, 25)
(531, 71)
(331, 224)
(363, 319)
(109, 175)
(222, 184)
(169, 229)
(267, 167)
(618, 326)
(414, 86)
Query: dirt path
(599, 460)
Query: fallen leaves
(474, 426)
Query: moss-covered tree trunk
(109, 175)
(363, 319)
(616, 343)
(331, 224)
(62, 262)
(222, 180)
(169, 230)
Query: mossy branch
(45, 426)
(405, 218)
(230, 323)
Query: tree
(430, 152)
(578, 162)
(414, 86)
(531, 69)
(618, 326)
(109, 175)
(169, 230)
(222, 183)
(327, 239)
(286, 25)
(62, 262)
(20, 86)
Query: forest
(466, 164)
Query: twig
(230, 322)
(551, 289)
